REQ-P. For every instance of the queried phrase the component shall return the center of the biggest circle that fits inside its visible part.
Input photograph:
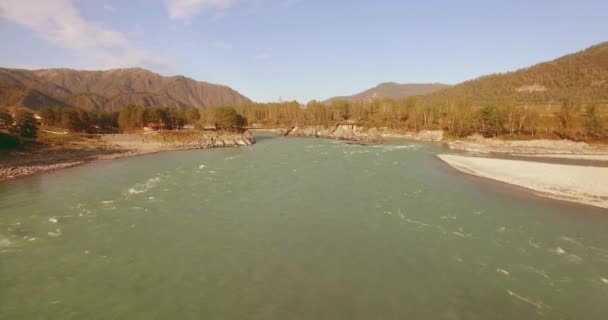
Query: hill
(109, 90)
(582, 75)
(393, 90)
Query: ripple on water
(389, 148)
(144, 187)
(539, 305)
(54, 234)
(503, 272)
(595, 250)
(5, 242)
(539, 272)
(570, 257)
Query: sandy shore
(583, 184)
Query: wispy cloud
(186, 9)
(60, 23)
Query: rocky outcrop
(179, 140)
(349, 132)
(353, 132)
(312, 131)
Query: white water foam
(599, 251)
(144, 187)
(389, 148)
(54, 234)
(568, 256)
(538, 305)
(426, 225)
(5, 243)
(503, 272)
(363, 151)
(532, 244)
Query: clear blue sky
(298, 49)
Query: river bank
(83, 149)
(541, 148)
(581, 184)
(354, 133)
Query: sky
(271, 50)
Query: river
(294, 229)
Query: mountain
(582, 75)
(109, 90)
(394, 91)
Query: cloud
(60, 23)
(186, 9)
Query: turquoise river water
(294, 229)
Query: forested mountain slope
(109, 90)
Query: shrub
(25, 125)
(226, 118)
(8, 141)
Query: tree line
(572, 118)
(24, 125)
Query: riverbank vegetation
(570, 119)
(58, 123)
(133, 118)
(17, 129)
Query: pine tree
(25, 125)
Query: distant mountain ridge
(109, 90)
(393, 90)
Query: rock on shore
(348, 132)
(25, 163)
(178, 140)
